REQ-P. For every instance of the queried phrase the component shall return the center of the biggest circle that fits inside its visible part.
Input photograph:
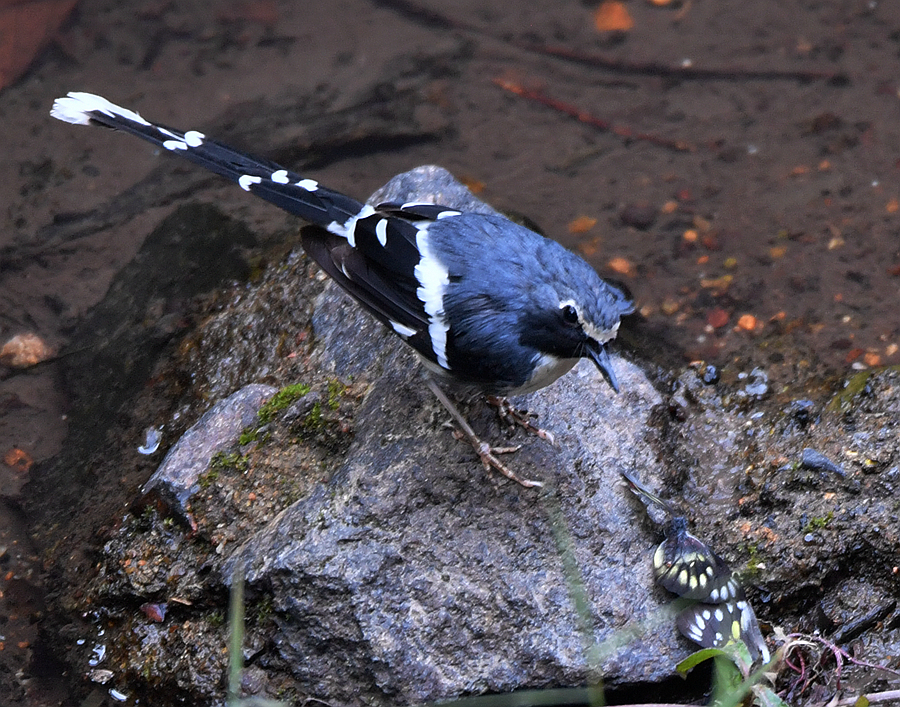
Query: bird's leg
(507, 412)
(484, 450)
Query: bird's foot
(486, 452)
(488, 455)
(510, 414)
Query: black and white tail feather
(485, 303)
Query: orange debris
(473, 185)
(582, 224)
(18, 459)
(747, 322)
(612, 16)
(717, 317)
(621, 265)
(872, 359)
(24, 350)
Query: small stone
(802, 411)
(582, 224)
(101, 676)
(24, 351)
(717, 317)
(622, 266)
(757, 384)
(669, 307)
(872, 359)
(710, 375)
(152, 439)
(746, 322)
(612, 16)
(811, 459)
(176, 479)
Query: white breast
(548, 369)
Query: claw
(490, 461)
(506, 411)
(486, 453)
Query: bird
(487, 305)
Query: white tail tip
(77, 107)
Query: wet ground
(748, 195)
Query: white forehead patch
(601, 336)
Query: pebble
(24, 351)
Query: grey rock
(414, 575)
(811, 459)
(218, 429)
(433, 185)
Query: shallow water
(770, 243)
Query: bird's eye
(570, 315)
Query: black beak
(598, 354)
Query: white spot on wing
(381, 231)
(194, 138)
(76, 108)
(447, 214)
(245, 180)
(280, 176)
(349, 229)
(308, 184)
(175, 145)
(433, 280)
(402, 329)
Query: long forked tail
(287, 190)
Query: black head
(574, 313)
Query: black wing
(688, 567)
(386, 287)
(717, 625)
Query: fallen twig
(589, 119)
(681, 71)
(871, 697)
(434, 18)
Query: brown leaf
(612, 16)
(26, 26)
(582, 224)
